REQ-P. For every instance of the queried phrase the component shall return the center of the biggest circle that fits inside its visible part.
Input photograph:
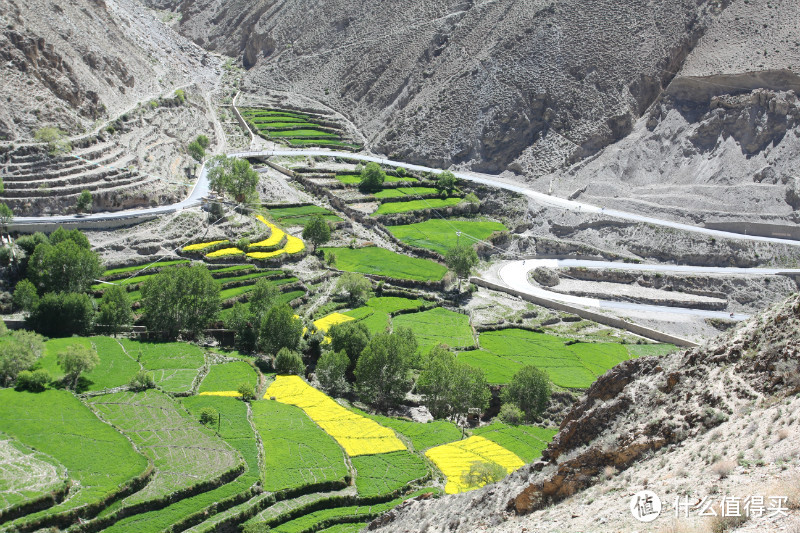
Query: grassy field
(26, 474)
(298, 452)
(173, 365)
(115, 368)
(575, 366)
(374, 260)
(299, 216)
(437, 326)
(403, 192)
(390, 208)
(236, 431)
(355, 179)
(440, 235)
(386, 473)
(228, 377)
(183, 452)
(525, 441)
(56, 423)
(375, 315)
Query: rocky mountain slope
(719, 420)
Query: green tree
(445, 183)
(279, 329)
(529, 390)
(246, 390)
(208, 415)
(57, 142)
(482, 473)
(511, 414)
(115, 309)
(19, 351)
(203, 141)
(355, 286)
(383, 372)
(240, 321)
(84, 201)
(262, 298)
(351, 338)
(435, 381)
(142, 381)
(28, 243)
(34, 381)
(180, 299)
(372, 178)
(60, 235)
(6, 217)
(65, 266)
(461, 259)
(331, 372)
(75, 360)
(63, 314)
(233, 176)
(469, 390)
(25, 296)
(317, 231)
(196, 151)
(289, 362)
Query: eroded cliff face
(493, 85)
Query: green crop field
(298, 452)
(256, 112)
(276, 119)
(56, 423)
(374, 260)
(26, 474)
(525, 441)
(403, 192)
(355, 179)
(228, 377)
(285, 297)
(437, 326)
(245, 277)
(392, 304)
(183, 452)
(122, 282)
(308, 132)
(136, 268)
(227, 294)
(386, 473)
(390, 208)
(422, 436)
(345, 528)
(234, 268)
(115, 369)
(299, 216)
(440, 235)
(375, 315)
(173, 365)
(576, 366)
(322, 142)
(236, 431)
(269, 126)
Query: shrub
(57, 143)
(372, 178)
(355, 286)
(75, 360)
(180, 96)
(289, 362)
(142, 381)
(331, 259)
(511, 414)
(196, 151)
(208, 415)
(483, 473)
(34, 381)
(203, 141)
(246, 390)
(471, 198)
(723, 468)
(243, 244)
(5, 255)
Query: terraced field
(386, 474)
(296, 129)
(440, 235)
(227, 377)
(299, 216)
(173, 365)
(389, 208)
(355, 179)
(379, 261)
(437, 326)
(26, 475)
(116, 368)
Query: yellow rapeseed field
(324, 323)
(229, 393)
(455, 459)
(265, 255)
(225, 251)
(202, 245)
(274, 238)
(294, 245)
(358, 435)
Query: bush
(289, 362)
(246, 390)
(331, 259)
(722, 469)
(243, 244)
(483, 473)
(372, 178)
(203, 141)
(180, 96)
(5, 255)
(511, 414)
(471, 198)
(34, 381)
(208, 415)
(355, 286)
(142, 381)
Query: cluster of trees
(197, 148)
(317, 231)
(233, 176)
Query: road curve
(201, 190)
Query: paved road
(514, 274)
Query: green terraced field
(375, 315)
(299, 216)
(355, 179)
(322, 142)
(390, 208)
(437, 326)
(374, 260)
(245, 277)
(173, 365)
(228, 377)
(525, 441)
(236, 431)
(386, 473)
(440, 235)
(56, 423)
(115, 368)
(136, 268)
(286, 297)
(234, 268)
(26, 474)
(422, 436)
(227, 294)
(306, 133)
(404, 192)
(183, 452)
(270, 126)
(576, 366)
(298, 452)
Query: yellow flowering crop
(229, 393)
(274, 238)
(265, 255)
(294, 245)
(456, 458)
(324, 323)
(357, 434)
(225, 251)
(202, 245)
